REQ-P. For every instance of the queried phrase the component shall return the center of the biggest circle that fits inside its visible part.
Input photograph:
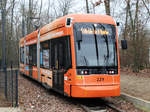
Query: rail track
(99, 105)
(89, 105)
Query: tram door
(58, 71)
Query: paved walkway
(135, 85)
(10, 110)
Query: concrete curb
(144, 105)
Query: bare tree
(29, 21)
(12, 16)
(3, 13)
(48, 9)
(146, 7)
(95, 4)
(41, 5)
(23, 18)
(10, 36)
(134, 30)
(63, 7)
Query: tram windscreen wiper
(96, 45)
(107, 45)
(79, 36)
(86, 61)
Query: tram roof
(95, 18)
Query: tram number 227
(100, 79)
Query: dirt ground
(3, 101)
(35, 98)
(136, 84)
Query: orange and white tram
(76, 55)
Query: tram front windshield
(95, 45)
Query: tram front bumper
(95, 91)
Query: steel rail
(101, 108)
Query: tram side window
(27, 55)
(53, 53)
(45, 54)
(67, 52)
(22, 54)
(31, 55)
(34, 55)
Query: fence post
(5, 73)
(16, 88)
(12, 84)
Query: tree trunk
(29, 23)
(23, 19)
(12, 17)
(87, 7)
(40, 9)
(134, 26)
(3, 13)
(107, 6)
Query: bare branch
(146, 7)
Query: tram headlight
(85, 72)
(111, 72)
(82, 72)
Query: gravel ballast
(35, 98)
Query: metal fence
(9, 85)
